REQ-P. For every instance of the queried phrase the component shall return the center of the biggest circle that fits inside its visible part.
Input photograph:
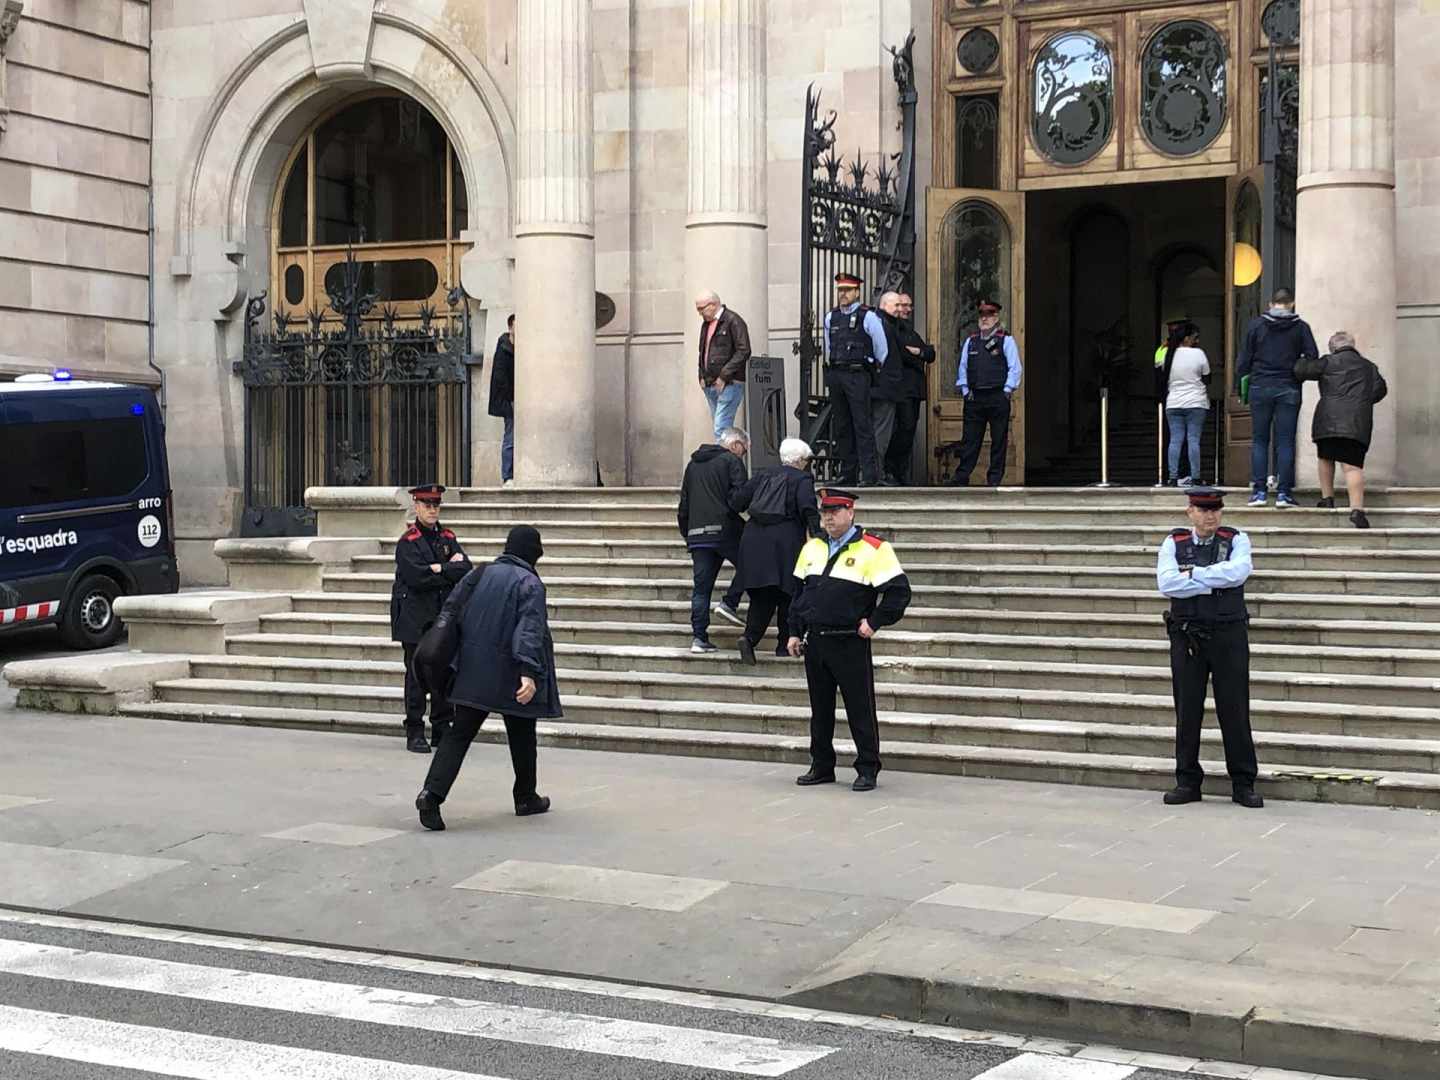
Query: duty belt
(849, 367)
(834, 631)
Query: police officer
(1203, 570)
(429, 562)
(851, 586)
(855, 349)
(987, 375)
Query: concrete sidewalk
(1301, 936)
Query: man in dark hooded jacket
(712, 529)
(506, 664)
(502, 397)
(1274, 343)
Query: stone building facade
(643, 150)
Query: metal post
(1104, 437)
(1160, 443)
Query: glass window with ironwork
(1183, 87)
(977, 141)
(1072, 97)
(974, 244)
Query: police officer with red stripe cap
(856, 348)
(1203, 570)
(429, 562)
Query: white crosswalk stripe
(696, 1047)
(1045, 1067)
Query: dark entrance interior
(1106, 268)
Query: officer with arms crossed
(1203, 570)
(856, 347)
(429, 562)
(851, 585)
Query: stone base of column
(733, 259)
(1345, 280)
(555, 360)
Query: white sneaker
(726, 612)
(508, 483)
(698, 646)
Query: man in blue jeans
(724, 350)
(712, 529)
(502, 398)
(1273, 343)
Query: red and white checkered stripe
(28, 612)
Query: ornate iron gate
(850, 224)
(1280, 146)
(351, 400)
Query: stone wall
(74, 188)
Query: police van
(85, 506)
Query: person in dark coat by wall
(1350, 388)
(712, 529)
(502, 398)
(506, 664)
(429, 562)
(889, 389)
(916, 354)
(783, 515)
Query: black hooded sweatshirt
(712, 478)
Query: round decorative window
(1281, 22)
(1073, 102)
(1182, 98)
(978, 50)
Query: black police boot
(815, 776)
(863, 783)
(532, 804)
(1248, 797)
(747, 651)
(1181, 795)
(429, 807)
(415, 739)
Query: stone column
(9, 20)
(554, 246)
(726, 235)
(1345, 227)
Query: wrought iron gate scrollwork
(352, 400)
(849, 223)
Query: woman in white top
(1187, 399)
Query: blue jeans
(724, 404)
(1276, 405)
(1186, 426)
(507, 448)
(707, 563)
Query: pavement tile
(1057, 931)
(973, 920)
(10, 802)
(47, 877)
(593, 884)
(327, 832)
(1297, 958)
(1174, 1062)
(1219, 949)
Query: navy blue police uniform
(850, 370)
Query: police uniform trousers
(984, 408)
(441, 711)
(445, 765)
(841, 661)
(1219, 651)
(854, 424)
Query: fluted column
(726, 238)
(554, 246)
(1345, 256)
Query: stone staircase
(1033, 648)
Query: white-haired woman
(783, 515)
(1350, 388)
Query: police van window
(69, 460)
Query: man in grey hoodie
(1273, 344)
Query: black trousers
(765, 603)
(843, 663)
(441, 711)
(902, 441)
(854, 426)
(984, 408)
(1221, 652)
(445, 765)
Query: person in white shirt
(1183, 373)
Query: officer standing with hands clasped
(1203, 570)
(987, 375)
(856, 348)
(429, 562)
(851, 586)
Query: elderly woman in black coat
(781, 504)
(1350, 388)
(506, 664)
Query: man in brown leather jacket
(724, 349)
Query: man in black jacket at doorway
(711, 529)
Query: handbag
(439, 644)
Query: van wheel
(90, 621)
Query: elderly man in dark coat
(1350, 388)
(506, 664)
(781, 504)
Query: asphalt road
(128, 1003)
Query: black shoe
(534, 804)
(747, 651)
(782, 652)
(959, 481)
(429, 807)
(1181, 795)
(1327, 503)
(813, 777)
(1248, 797)
(1359, 520)
(863, 783)
(415, 739)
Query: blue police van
(85, 505)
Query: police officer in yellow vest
(851, 586)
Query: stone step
(624, 662)
(628, 593)
(717, 699)
(1322, 783)
(1405, 663)
(676, 573)
(1297, 633)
